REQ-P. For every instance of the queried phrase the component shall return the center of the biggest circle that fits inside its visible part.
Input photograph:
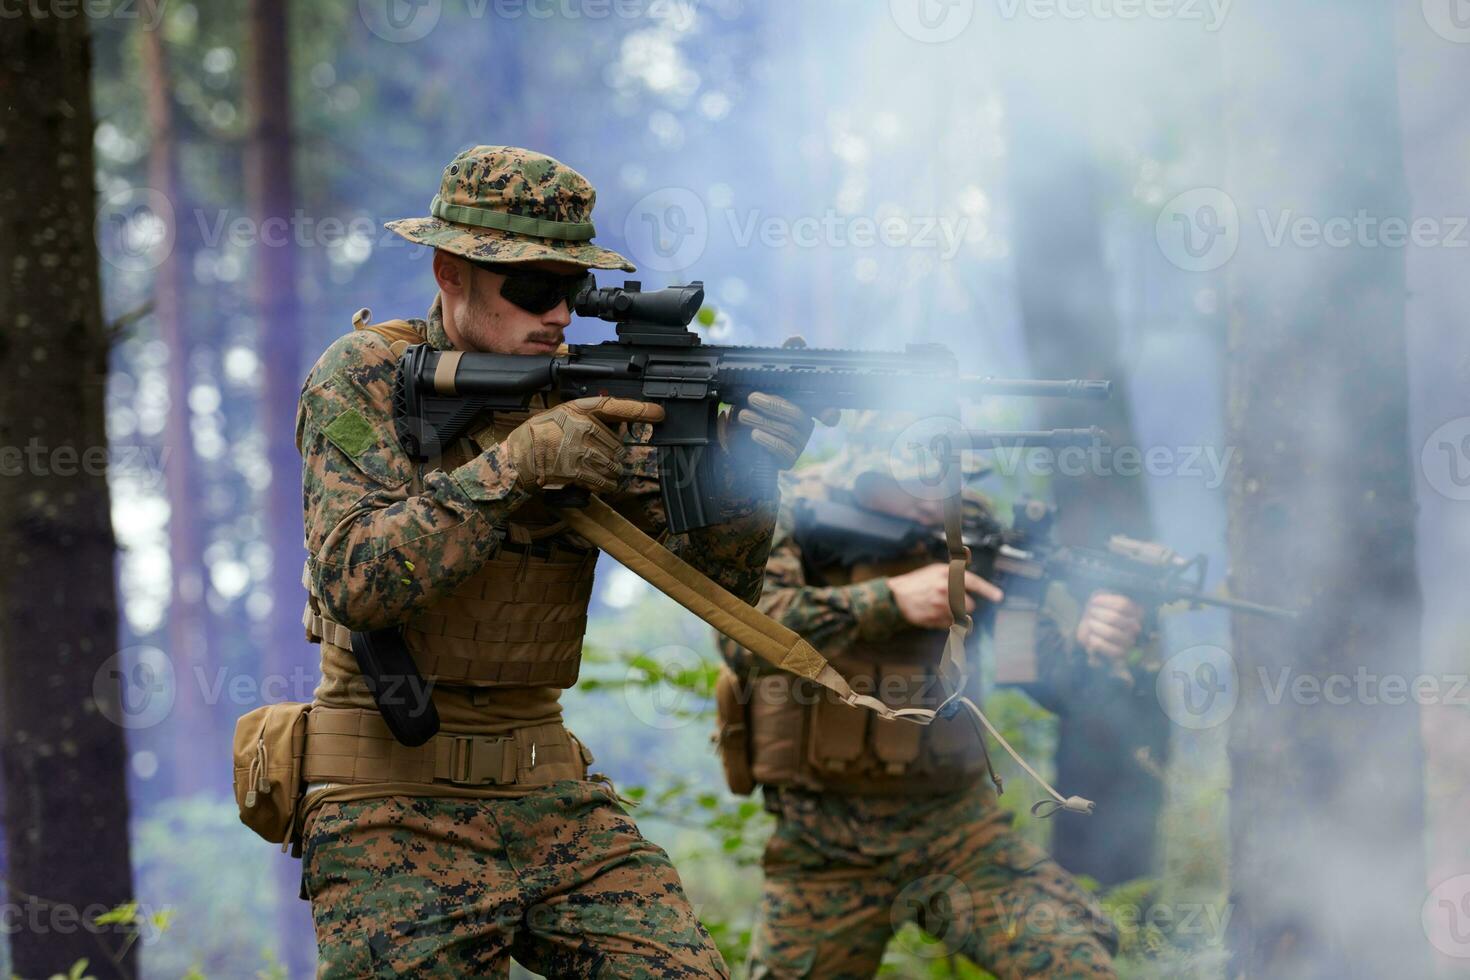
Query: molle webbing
(518, 621)
(353, 745)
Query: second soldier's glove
(778, 426)
(573, 444)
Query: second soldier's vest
(520, 618)
(797, 734)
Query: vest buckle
(475, 760)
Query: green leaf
(125, 913)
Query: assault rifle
(656, 357)
(1022, 559)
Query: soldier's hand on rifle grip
(923, 595)
(1110, 625)
(574, 444)
(778, 426)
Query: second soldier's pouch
(270, 749)
(732, 739)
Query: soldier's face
(489, 322)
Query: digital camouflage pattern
(844, 873)
(376, 553)
(399, 883)
(561, 879)
(508, 180)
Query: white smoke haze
(871, 175)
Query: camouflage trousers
(844, 873)
(561, 879)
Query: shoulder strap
(390, 330)
(610, 531)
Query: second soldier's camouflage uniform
(881, 822)
(490, 840)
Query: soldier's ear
(451, 273)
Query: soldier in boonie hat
(467, 562)
(504, 204)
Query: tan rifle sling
(611, 532)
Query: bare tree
(66, 820)
(1065, 294)
(271, 196)
(1434, 74)
(193, 749)
(1327, 798)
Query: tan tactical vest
(519, 620)
(800, 735)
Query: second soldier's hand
(1110, 625)
(923, 595)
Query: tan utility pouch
(837, 736)
(270, 749)
(732, 740)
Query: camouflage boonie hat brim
(875, 445)
(850, 464)
(506, 204)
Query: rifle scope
(672, 307)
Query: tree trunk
(1434, 77)
(1066, 304)
(192, 750)
(270, 192)
(66, 821)
(1327, 804)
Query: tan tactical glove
(778, 426)
(574, 444)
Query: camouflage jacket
(379, 553)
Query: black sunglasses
(535, 290)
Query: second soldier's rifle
(1021, 559)
(656, 357)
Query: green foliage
(78, 971)
(211, 877)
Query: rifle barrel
(1241, 605)
(982, 439)
(1086, 390)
